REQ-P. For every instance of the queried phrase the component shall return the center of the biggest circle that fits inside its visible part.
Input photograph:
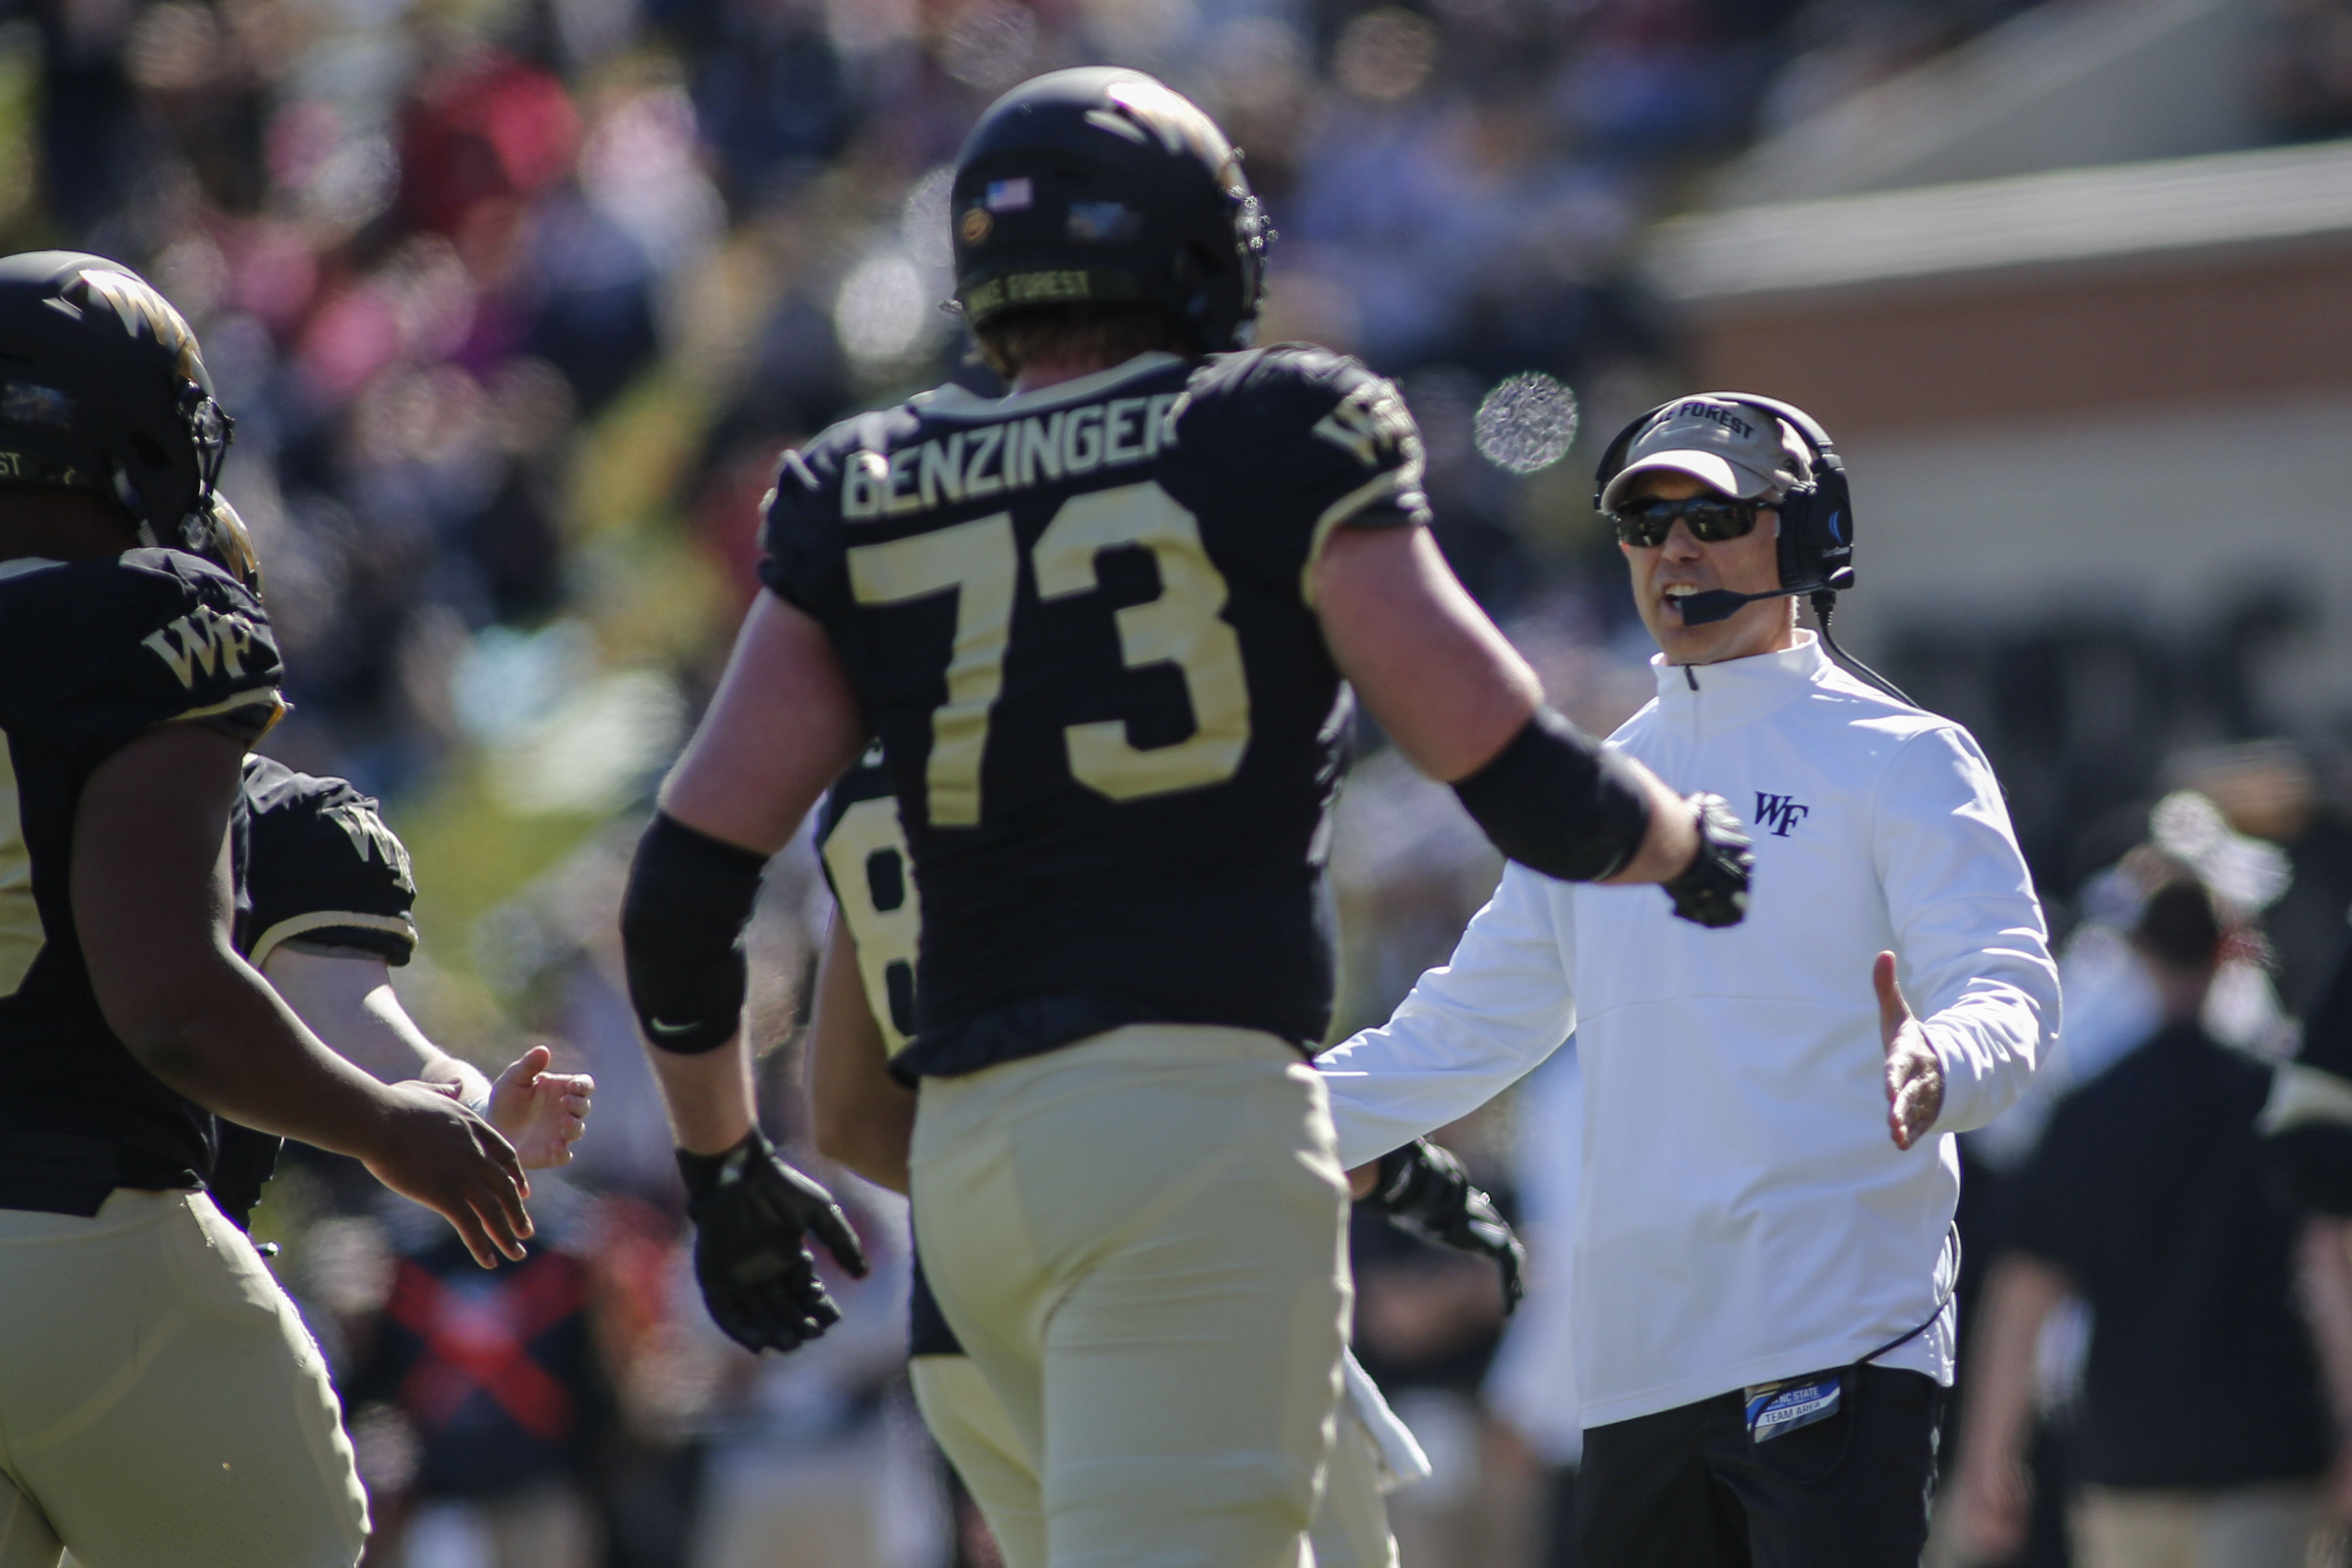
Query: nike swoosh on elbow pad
(659, 1027)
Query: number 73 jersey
(1079, 621)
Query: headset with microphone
(1816, 542)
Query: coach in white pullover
(1769, 1176)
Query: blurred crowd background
(515, 303)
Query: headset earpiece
(1816, 519)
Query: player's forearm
(2323, 1277)
(393, 1048)
(230, 1043)
(348, 1001)
(2017, 1299)
(874, 1145)
(151, 904)
(1670, 839)
(708, 1095)
(863, 1118)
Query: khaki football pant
(2253, 1526)
(968, 1421)
(1140, 1240)
(161, 1404)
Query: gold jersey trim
(21, 934)
(318, 919)
(253, 698)
(1379, 487)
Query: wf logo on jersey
(1371, 423)
(1779, 813)
(203, 640)
(371, 838)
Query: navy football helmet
(1103, 185)
(102, 387)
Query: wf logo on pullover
(1779, 813)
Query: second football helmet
(1103, 185)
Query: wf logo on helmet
(1779, 813)
(134, 303)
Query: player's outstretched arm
(1466, 709)
(865, 1119)
(152, 905)
(783, 725)
(347, 999)
(1425, 1191)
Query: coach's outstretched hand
(757, 1277)
(1423, 1189)
(1915, 1076)
(1712, 891)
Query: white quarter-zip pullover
(1745, 1216)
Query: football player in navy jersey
(1105, 628)
(161, 1404)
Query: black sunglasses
(1713, 518)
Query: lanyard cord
(1943, 1302)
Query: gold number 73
(979, 561)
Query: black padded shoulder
(322, 867)
(800, 521)
(1296, 433)
(100, 650)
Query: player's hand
(1423, 1189)
(1992, 1504)
(440, 1153)
(1712, 891)
(1915, 1078)
(542, 1113)
(757, 1277)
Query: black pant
(1688, 1487)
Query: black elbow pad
(682, 922)
(1555, 800)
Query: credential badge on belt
(1794, 1402)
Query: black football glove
(1712, 889)
(757, 1278)
(1423, 1190)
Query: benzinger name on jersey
(203, 639)
(990, 459)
